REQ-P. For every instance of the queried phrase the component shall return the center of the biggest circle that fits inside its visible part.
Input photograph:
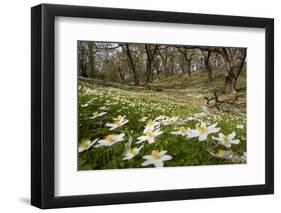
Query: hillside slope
(198, 81)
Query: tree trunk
(158, 73)
(189, 69)
(187, 59)
(230, 84)
(150, 53)
(208, 67)
(234, 67)
(182, 66)
(164, 59)
(172, 66)
(91, 59)
(210, 74)
(83, 68)
(189, 74)
(148, 71)
(166, 70)
(152, 74)
(157, 68)
(82, 59)
(133, 67)
(121, 75)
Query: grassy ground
(182, 104)
(199, 80)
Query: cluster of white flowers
(117, 122)
(151, 131)
(131, 152)
(153, 128)
(202, 131)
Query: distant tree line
(140, 64)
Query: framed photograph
(139, 106)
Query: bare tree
(235, 59)
(165, 53)
(157, 66)
(143, 63)
(126, 48)
(208, 65)
(188, 54)
(91, 55)
(82, 59)
(150, 50)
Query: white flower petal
(157, 133)
(121, 135)
(231, 136)
(193, 133)
(109, 125)
(80, 149)
(146, 163)
(228, 145)
(236, 141)
(162, 153)
(147, 157)
(203, 136)
(213, 130)
(138, 149)
(99, 145)
(141, 139)
(166, 157)
(150, 140)
(124, 122)
(112, 128)
(221, 136)
(215, 138)
(158, 163)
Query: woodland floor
(182, 102)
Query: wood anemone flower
(86, 144)
(156, 158)
(149, 136)
(202, 131)
(110, 140)
(227, 140)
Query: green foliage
(135, 105)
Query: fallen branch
(221, 105)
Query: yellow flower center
(134, 151)
(221, 152)
(201, 128)
(109, 138)
(117, 122)
(182, 129)
(155, 154)
(149, 134)
(95, 113)
(149, 122)
(225, 139)
(84, 143)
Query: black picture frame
(43, 102)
